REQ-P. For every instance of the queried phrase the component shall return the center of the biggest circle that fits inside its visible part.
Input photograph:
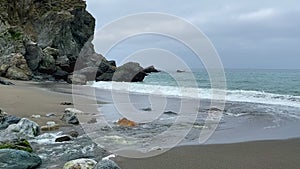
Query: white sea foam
(183, 92)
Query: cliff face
(43, 39)
(48, 34)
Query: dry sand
(25, 99)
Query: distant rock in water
(170, 113)
(147, 109)
(129, 72)
(150, 69)
(180, 71)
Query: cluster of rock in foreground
(49, 40)
(19, 148)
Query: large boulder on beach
(80, 164)
(23, 129)
(18, 159)
(14, 66)
(107, 164)
(129, 72)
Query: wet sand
(283, 154)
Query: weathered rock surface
(23, 129)
(129, 72)
(107, 164)
(14, 66)
(80, 163)
(7, 120)
(51, 40)
(49, 34)
(70, 116)
(18, 159)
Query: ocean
(175, 109)
(281, 87)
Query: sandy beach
(25, 99)
(251, 155)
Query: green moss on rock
(18, 145)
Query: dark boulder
(63, 139)
(150, 69)
(60, 74)
(112, 63)
(7, 120)
(129, 72)
(105, 77)
(18, 159)
(170, 113)
(34, 55)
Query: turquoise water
(275, 87)
(284, 82)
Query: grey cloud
(247, 34)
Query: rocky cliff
(43, 39)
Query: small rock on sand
(80, 164)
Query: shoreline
(20, 99)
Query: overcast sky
(246, 34)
